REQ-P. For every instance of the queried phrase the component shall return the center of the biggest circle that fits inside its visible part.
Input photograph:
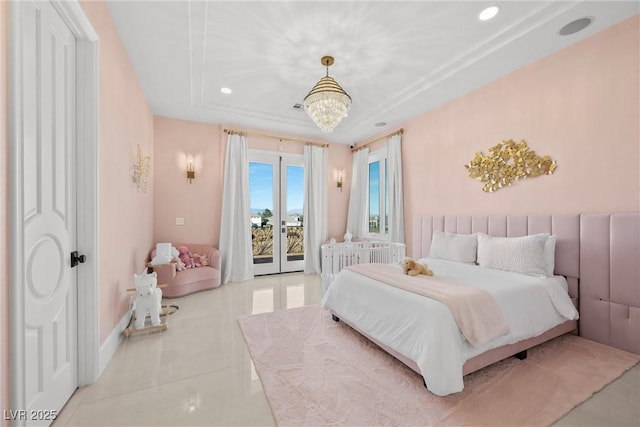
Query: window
(378, 200)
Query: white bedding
(424, 330)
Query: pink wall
(126, 214)
(200, 202)
(580, 106)
(4, 198)
(340, 158)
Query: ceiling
(396, 59)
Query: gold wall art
(141, 170)
(507, 162)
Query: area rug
(319, 372)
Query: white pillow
(550, 254)
(454, 247)
(518, 254)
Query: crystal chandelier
(327, 103)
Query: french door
(276, 197)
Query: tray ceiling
(395, 59)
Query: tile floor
(199, 372)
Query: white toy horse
(148, 299)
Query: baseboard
(111, 344)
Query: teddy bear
(413, 268)
(204, 262)
(185, 256)
(197, 260)
(148, 299)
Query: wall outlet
(179, 221)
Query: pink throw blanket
(475, 311)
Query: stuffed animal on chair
(413, 268)
(148, 299)
(175, 258)
(197, 260)
(185, 256)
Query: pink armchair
(190, 280)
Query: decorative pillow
(454, 247)
(518, 254)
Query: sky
(261, 187)
(374, 189)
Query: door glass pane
(294, 219)
(374, 197)
(261, 204)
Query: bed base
(490, 357)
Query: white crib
(336, 256)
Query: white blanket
(424, 330)
(476, 313)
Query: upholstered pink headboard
(566, 227)
(610, 279)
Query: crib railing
(336, 256)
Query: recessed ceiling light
(575, 26)
(380, 124)
(489, 13)
(225, 90)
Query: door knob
(77, 259)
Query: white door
(276, 187)
(48, 208)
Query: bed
(423, 334)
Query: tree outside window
(264, 216)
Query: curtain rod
(235, 132)
(360, 147)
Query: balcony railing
(262, 243)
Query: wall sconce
(339, 175)
(191, 172)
